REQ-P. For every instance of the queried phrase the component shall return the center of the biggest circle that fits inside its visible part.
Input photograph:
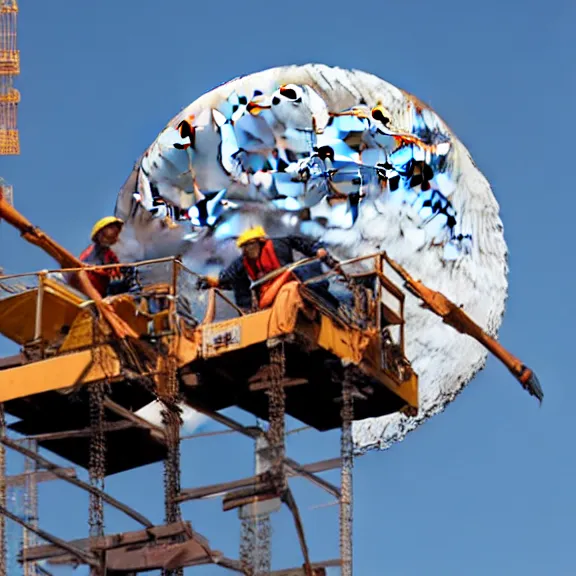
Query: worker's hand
(202, 283)
(205, 282)
(329, 260)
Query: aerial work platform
(316, 344)
(88, 365)
(221, 356)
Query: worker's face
(108, 236)
(252, 249)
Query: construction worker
(261, 256)
(107, 281)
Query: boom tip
(530, 382)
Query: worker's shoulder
(234, 266)
(87, 252)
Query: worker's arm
(226, 279)
(310, 249)
(229, 276)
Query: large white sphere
(447, 233)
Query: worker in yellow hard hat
(262, 255)
(107, 281)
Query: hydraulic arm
(454, 316)
(448, 311)
(66, 260)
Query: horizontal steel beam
(57, 471)
(223, 487)
(156, 431)
(81, 555)
(83, 433)
(41, 476)
(111, 541)
(300, 571)
(294, 468)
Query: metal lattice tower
(21, 498)
(9, 69)
(29, 539)
(9, 145)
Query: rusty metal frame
(129, 419)
(57, 471)
(41, 476)
(76, 552)
(214, 490)
(83, 433)
(293, 468)
(72, 555)
(299, 571)
(121, 540)
(156, 431)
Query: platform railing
(161, 285)
(368, 296)
(167, 285)
(10, 285)
(352, 274)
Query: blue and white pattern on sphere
(342, 156)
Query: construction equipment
(454, 316)
(35, 236)
(77, 385)
(291, 358)
(9, 69)
(437, 303)
(9, 146)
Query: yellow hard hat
(255, 233)
(103, 222)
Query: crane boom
(454, 316)
(439, 304)
(39, 238)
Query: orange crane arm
(454, 316)
(35, 236)
(66, 260)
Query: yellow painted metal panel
(362, 348)
(56, 373)
(18, 313)
(80, 334)
(406, 389)
(125, 306)
(63, 292)
(17, 316)
(345, 343)
(57, 313)
(187, 346)
(241, 332)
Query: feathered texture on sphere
(342, 156)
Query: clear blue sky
(487, 487)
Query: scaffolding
(88, 365)
(9, 69)
(300, 357)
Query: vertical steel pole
(347, 456)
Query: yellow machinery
(219, 356)
(87, 366)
